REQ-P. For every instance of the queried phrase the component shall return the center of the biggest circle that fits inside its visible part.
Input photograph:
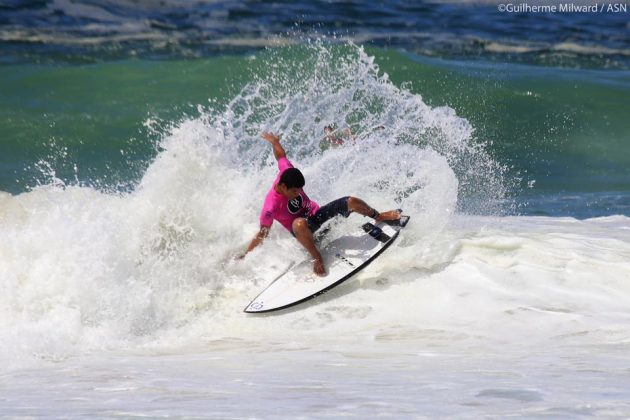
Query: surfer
(333, 138)
(336, 137)
(287, 203)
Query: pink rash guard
(278, 207)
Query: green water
(96, 111)
(566, 129)
(557, 129)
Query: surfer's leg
(326, 212)
(361, 207)
(304, 235)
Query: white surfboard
(343, 258)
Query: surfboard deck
(343, 258)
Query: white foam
(86, 271)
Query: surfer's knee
(353, 203)
(299, 225)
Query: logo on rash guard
(295, 205)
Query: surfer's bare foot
(388, 215)
(318, 268)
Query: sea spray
(342, 86)
(85, 270)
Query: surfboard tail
(376, 232)
(402, 222)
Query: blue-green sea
(561, 132)
(132, 174)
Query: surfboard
(343, 258)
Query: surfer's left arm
(278, 150)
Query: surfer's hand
(239, 257)
(318, 268)
(278, 151)
(270, 137)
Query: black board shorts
(338, 207)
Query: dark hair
(292, 178)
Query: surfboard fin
(376, 232)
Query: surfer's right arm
(260, 236)
(266, 220)
(278, 150)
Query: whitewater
(130, 304)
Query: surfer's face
(289, 193)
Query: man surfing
(287, 203)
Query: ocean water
(132, 172)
